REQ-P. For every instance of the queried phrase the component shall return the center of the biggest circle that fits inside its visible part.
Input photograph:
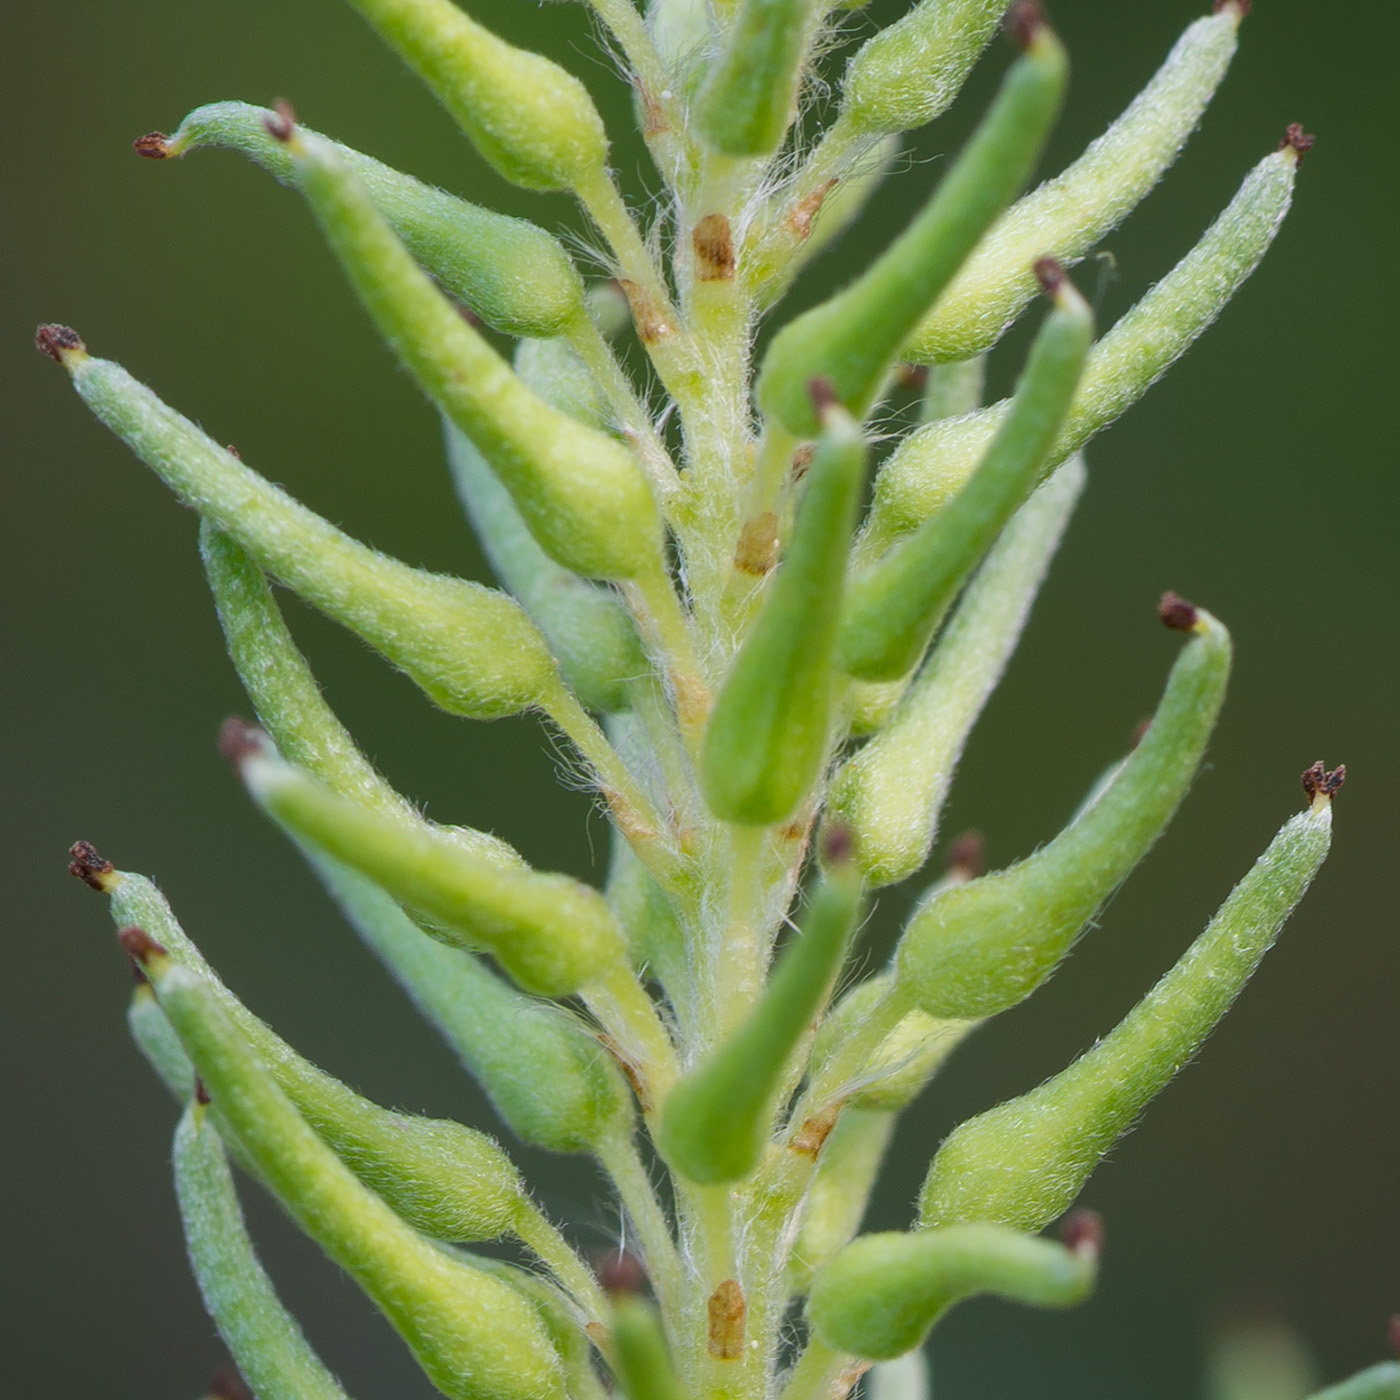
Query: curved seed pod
(717, 1118)
(263, 1338)
(644, 1365)
(929, 466)
(512, 274)
(1380, 1382)
(475, 1337)
(894, 605)
(854, 338)
(909, 73)
(750, 94)
(976, 949)
(767, 734)
(1025, 1161)
(159, 1045)
(584, 495)
(890, 792)
(878, 1298)
(1066, 216)
(445, 1179)
(530, 118)
(471, 649)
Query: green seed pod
(930, 465)
(447, 1180)
(854, 338)
(1066, 216)
(878, 1298)
(471, 649)
(1025, 1161)
(644, 1366)
(550, 932)
(1380, 1382)
(750, 94)
(510, 272)
(767, 735)
(908, 73)
(530, 118)
(978, 948)
(159, 1045)
(893, 606)
(904, 1378)
(655, 936)
(890, 792)
(583, 494)
(717, 1118)
(474, 1336)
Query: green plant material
(1024, 1162)
(881, 1294)
(263, 1337)
(644, 1365)
(510, 272)
(904, 1378)
(1381, 1382)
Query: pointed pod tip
(139, 945)
(1393, 1334)
(1298, 141)
(154, 145)
(838, 845)
(1176, 613)
(92, 869)
(967, 857)
(60, 343)
(1238, 8)
(281, 121)
(1025, 22)
(1050, 273)
(229, 1385)
(1082, 1233)
(201, 1094)
(239, 740)
(1321, 784)
(620, 1273)
(822, 393)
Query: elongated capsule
(530, 118)
(263, 1338)
(768, 732)
(644, 1365)
(510, 272)
(550, 932)
(891, 791)
(854, 338)
(471, 649)
(1023, 1162)
(930, 465)
(878, 1298)
(750, 93)
(447, 1180)
(474, 1336)
(893, 606)
(1066, 216)
(1380, 1382)
(583, 494)
(717, 1118)
(978, 948)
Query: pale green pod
(930, 465)
(510, 272)
(1024, 1162)
(854, 338)
(644, 1365)
(681, 31)
(878, 1298)
(718, 1116)
(909, 73)
(445, 1179)
(655, 936)
(557, 373)
(893, 606)
(159, 1045)
(551, 933)
(530, 118)
(583, 493)
(904, 1378)
(1380, 1382)
(266, 1344)
(474, 1336)
(750, 93)
(953, 389)
(1068, 215)
(891, 791)
(768, 732)
(1259, 1358)
(978, 948)
(471, 649)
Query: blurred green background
(1259, 479)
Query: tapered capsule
(1025, 1161)
(717, 1118)
(583, 494)
(854, 338)
(1380, 1382)
(1068, 215)
(644, 1364)
(510, 272)
(471, 649)
(263, 1338)
(530, 118)
(769, 729)
(976, 949)
(550, 932)
(929, 466)
(474, 1336)
(878, 1298)
(893, 606)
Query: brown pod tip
(154, 145)
(967, 857)
(1024, 21)
(89, 867)
(139, 944)
(1320, 781)
(58, 341)
(1082, 1233)
(1297, 140)
(838, 845)
(822, 393)
(1240, 7)
(1175, 612)
(229, 1385)
(238, 739)
(620, 1273)
(1050, 273)
(1392, 1333)
(281, 121)
(201, 1094)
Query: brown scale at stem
(714, 249)
(805, 211)
(728, 1314)
(1176, 613)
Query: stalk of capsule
(644, 1365)
(1025, 1161)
